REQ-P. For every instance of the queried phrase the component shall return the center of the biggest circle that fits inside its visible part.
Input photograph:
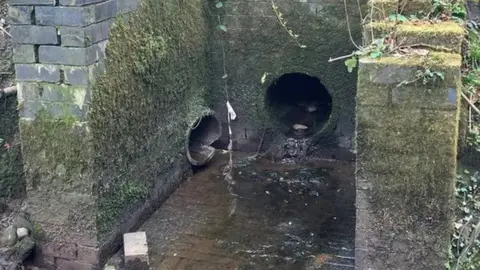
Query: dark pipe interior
(204, 132)
(299, 99)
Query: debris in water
(311, 108)
(299, 127)
(322, 258)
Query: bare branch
(8, 91)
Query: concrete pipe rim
(207, 129)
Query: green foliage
(397, 17)
(465, 244)
(351, 63)
(375, 50)
(473, 140)
(429, 75)
(449, 8)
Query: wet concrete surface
(280, 217)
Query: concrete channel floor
(284, 217)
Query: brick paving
(285, 218)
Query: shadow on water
(291, 210)
(286, 217)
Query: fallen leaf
(322, 258)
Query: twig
(348, 25)
(228, 171)
(471, 104)
(472, 239)
(259, 145)
(8, 91)
(437, 48)
(340, 57)
(284, 25)
(5, 31)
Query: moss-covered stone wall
(256, 44)
(103, 151)
(156, 75)
(12, 181)
(406, 138)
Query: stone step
(383, 8)
(377, 86)
(442, 36)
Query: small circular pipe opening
(300, 103)
(204, 131)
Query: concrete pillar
(406, 150)
(59, 48)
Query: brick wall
(60, 42)
(59, 49)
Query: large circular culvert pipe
(203, 130)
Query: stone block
(24, 54)
(422, 96)
(34, 34)
(392, 118)
(403, 71)
(85, 36)
(84, 238)
(20, 14)
(72, 56)
(87, 254)
(125, 6)
(105, 10)
(76, 75)
(68, 16)
(82, 75)
(135, 246)
(76, 15)
(32, 2)
(30, 110)
(78, 2)
(47, 92)
(448, 35)
(383, 8)
(37, 72)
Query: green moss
(435, 59)
(156, 77)
(113, 204)
(57, 153)
(448, 28)
(38, 233)
(258, 45)
(12, 181)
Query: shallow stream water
(280, 217)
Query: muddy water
(285, 217)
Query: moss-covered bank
(156, 63)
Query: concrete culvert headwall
(203, 131)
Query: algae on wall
(12, 181)
(256, 44)
(156, 62)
